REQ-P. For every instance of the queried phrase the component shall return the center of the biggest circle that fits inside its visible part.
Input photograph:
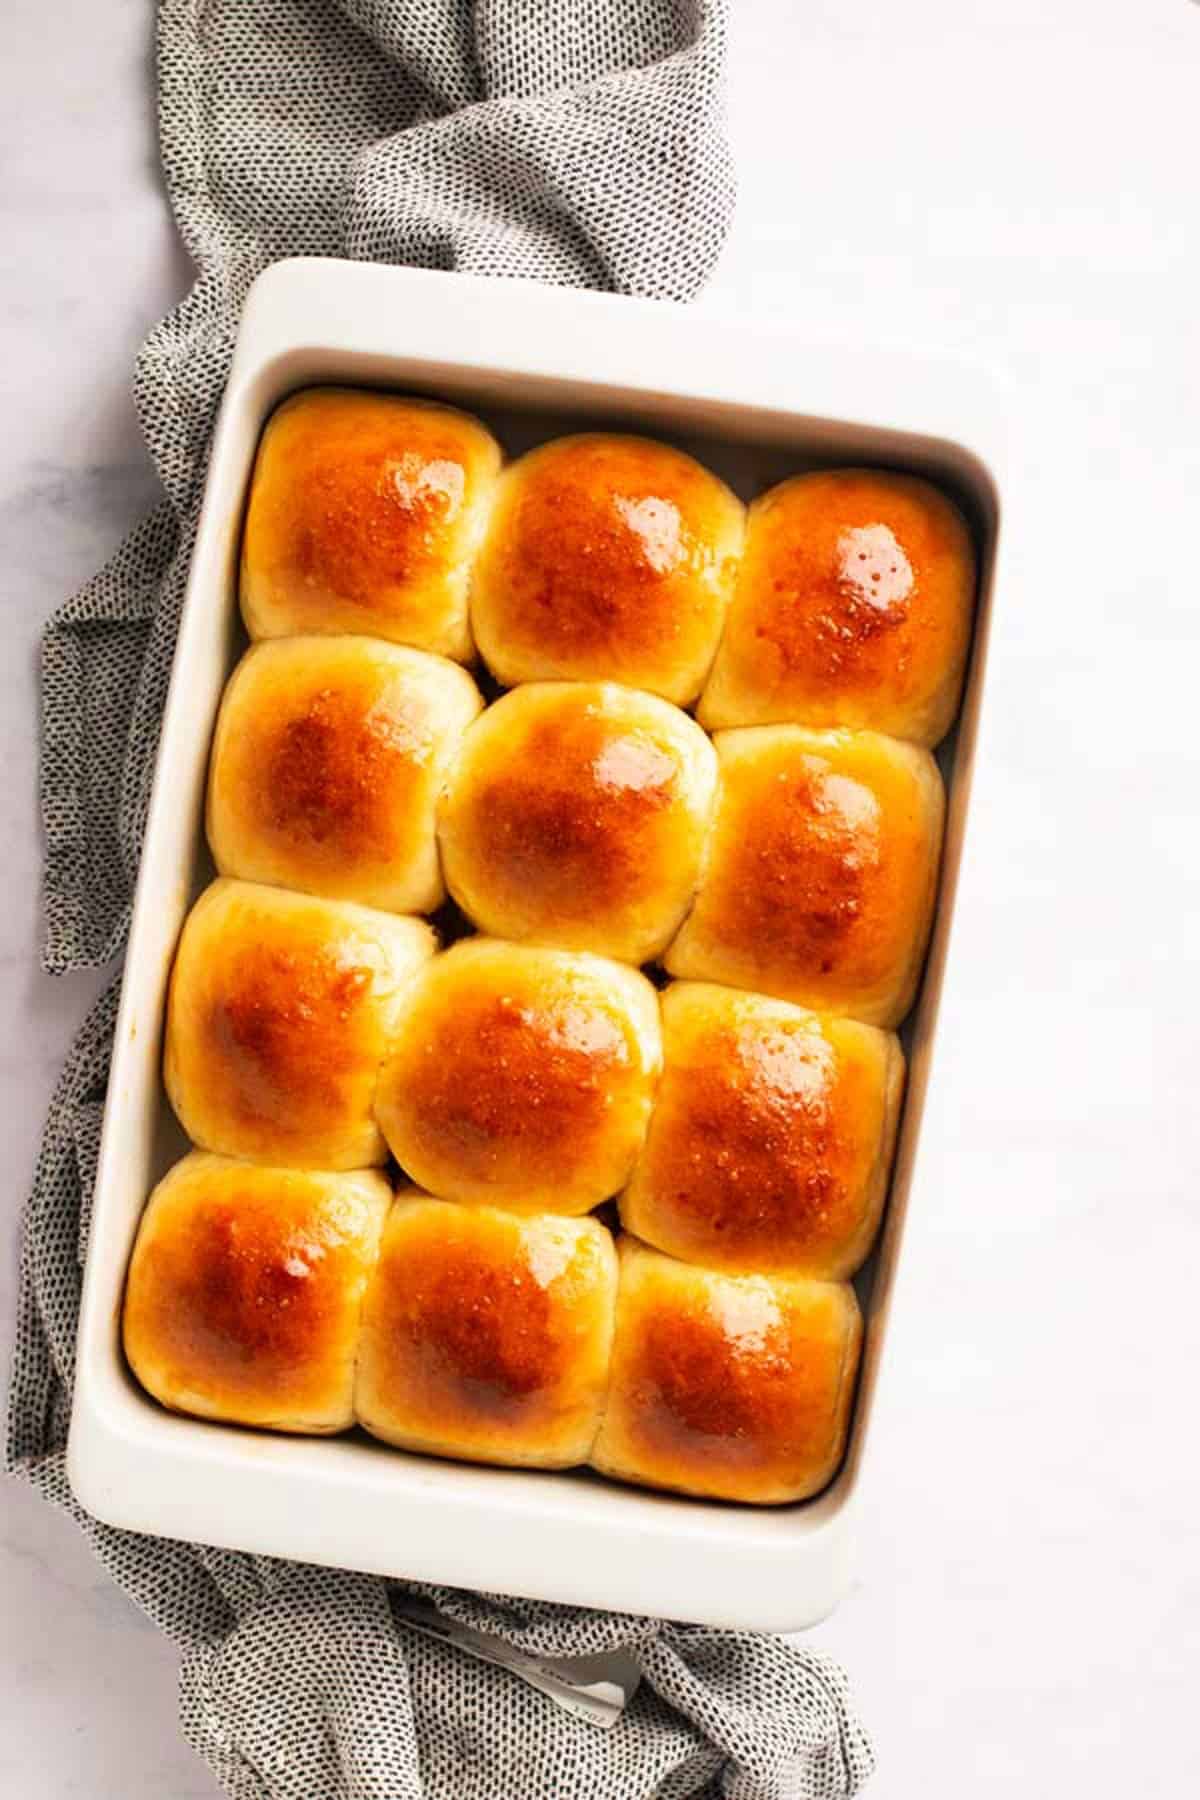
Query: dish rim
(344, 1502)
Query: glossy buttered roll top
(328, 759)
(576, 816)
(280, 1011)
(607, 558)
(521, 1076)
(245, 1289)
(487, 1335)
(853, 607)
(771, 1139)
(782, 871)
(821, 871)
(735, 1387)
(365, 513)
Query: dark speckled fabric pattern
(575, 141)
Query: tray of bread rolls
(538, 939)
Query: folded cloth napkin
(576, 141)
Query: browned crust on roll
(488, 1335)
(734, 1387)
(364, 512)
(822, 871)
(373, 489)
(522, 1077)
(853, 607)
(327, 764)
(278, 1018)
(340, 774)
(607, 556)
(244, 1290)
(770, 1140)
(529, 1076)
(576, 817)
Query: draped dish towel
(576, 141)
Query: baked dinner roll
(771, 1139)
(733, 1386)
(606, 558)
(365, 512)
(327, 764)
(245, 1291)
(487, 1336)
(279, 1013)
(822, 871)
(852, 607)
(576, 816)
(520, 1076)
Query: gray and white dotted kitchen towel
(575, 141)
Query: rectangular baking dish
(755, 404)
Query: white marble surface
(1017, 181)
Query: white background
(1020, 180)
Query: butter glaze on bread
(365, 513)
(822, 871)
(486, 1335)
(852, 607)
(327, 764)
(280, 1010)
(576, 817)
(736, 1387)
(782, 871)
(771, 1139)
(607, 558)
(521, 1076)
(245, 1289)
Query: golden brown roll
(576, 816)
(365, 512)
(521, 1076)
(607, 558)
(329, 756)
(852, 607)
(245, 1291)
(771, 1139)
(736, 1387)
(822, 871)
(487, 1336)
(279, 1014)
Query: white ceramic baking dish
(534, 361)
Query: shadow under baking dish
(534, 363)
